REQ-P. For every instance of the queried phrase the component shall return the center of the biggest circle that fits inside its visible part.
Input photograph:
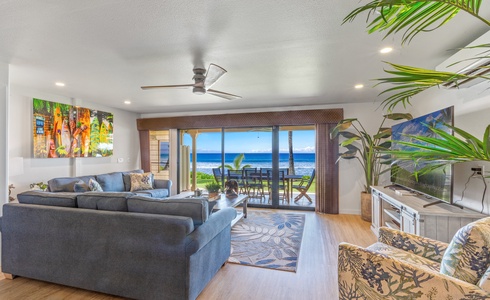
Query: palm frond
(410, 81)
(412, 17)
(433, 153)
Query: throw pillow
(81, 187)
(94, 185)
(141, 181)
(468, 257)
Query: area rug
(267, 240)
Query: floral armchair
(407, 266)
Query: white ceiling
(277, 53)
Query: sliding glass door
(248, 159)
(297, 155)
(274, 165)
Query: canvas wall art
(164, 156)
(63, 130)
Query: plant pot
(213, 196)
(366, 206)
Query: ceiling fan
(202, 83)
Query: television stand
(440, 201)
(415, 214)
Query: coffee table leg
(245, 203)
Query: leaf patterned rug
(267, 240)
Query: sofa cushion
(195, 208)
(141, 181)
(64, 199)
(81, 187)
(111, 182)
(127, 178)
(467, 256)
(155, 193)
(94, 186)
(65, 184)
(104, 201)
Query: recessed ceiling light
(60, 84)
(386, 50)
(127, 102)
(359, 86)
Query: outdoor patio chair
(254, 182)
(283, 184)
(217, 174)
(303, 186)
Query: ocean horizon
(304, 163)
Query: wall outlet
(479, 170)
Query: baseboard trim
(350, 211)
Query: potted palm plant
(366, 149)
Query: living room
(156, 51)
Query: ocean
(304, 163)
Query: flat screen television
(437, 184)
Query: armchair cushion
(406, 256)
(418, 245)
(366, 274)
(468, 257)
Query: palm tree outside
(237, 163)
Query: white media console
(407, 213)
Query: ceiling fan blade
(176, 86)
(227, 96)
(214, 73)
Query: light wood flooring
(316, 276)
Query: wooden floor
(316, 276)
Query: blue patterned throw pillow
(94, 186)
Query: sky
(252, 142)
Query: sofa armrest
(163, 184)
(366, 274)
(421, 246)
(216, 223)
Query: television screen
(437, 183)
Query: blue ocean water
(304, 163)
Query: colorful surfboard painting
(63, 130)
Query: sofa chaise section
(135, 255)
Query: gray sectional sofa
(116, 243)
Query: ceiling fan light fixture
(199, 90)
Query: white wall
(126, 142)
(4, 118)
(351, 176)
(4, 109)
